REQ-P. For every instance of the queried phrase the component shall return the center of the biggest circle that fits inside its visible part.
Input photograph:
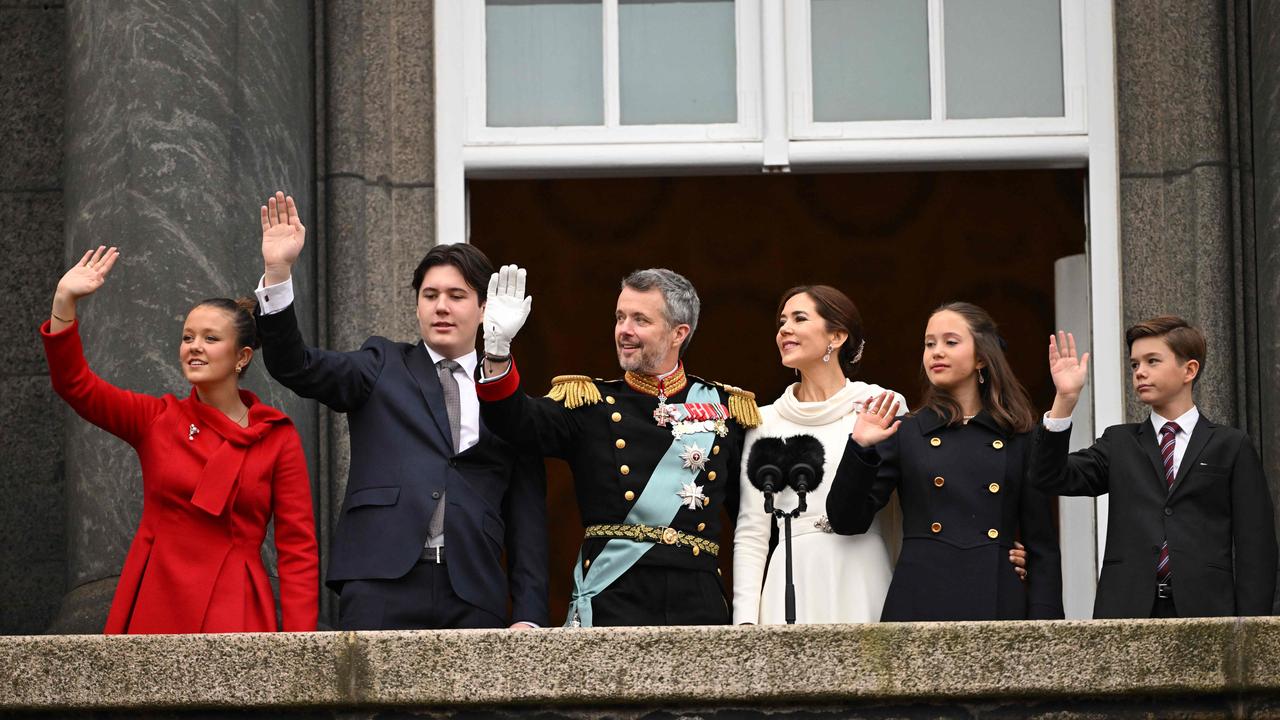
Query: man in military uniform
(655, 455)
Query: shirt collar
(468, 361)
(1186, 422)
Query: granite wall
(32, 514)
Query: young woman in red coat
(216, 466)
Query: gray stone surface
(181, 118)
(32, 564)
(1050, 664)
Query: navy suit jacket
(1217, 517)
(402, 459)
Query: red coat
(195, 563)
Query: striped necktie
(1167, 435)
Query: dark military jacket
(965, 499)
(613, 446)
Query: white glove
(505, 310)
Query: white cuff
(495, 378)
(275, 298)
(1056, 424)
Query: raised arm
(1051, 469)
(868, 472)
(340, 380)
(120, 412)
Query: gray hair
(680, 301)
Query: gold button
(706, 501)
(997, 444)
(616, 416)
(715, 449)
(586, 563)
(625, 469)
(936, 527)
(619, 443)
(696, 551)
(935, 441)
(718, 572)
(711, 475)
(939, 481)
(609, 399)
(993, 533)
(994, 487)
(629, 495)
(702, 526)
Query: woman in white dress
(838, 578)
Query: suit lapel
(1146, 438)
(1199, 438)
(424, 373)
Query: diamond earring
(827, 357)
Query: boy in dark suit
(1190, 531)
(433, 499)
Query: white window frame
(746, 128)
(1092, 146)
(800, 77)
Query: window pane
(544, 62)
(1003, 58)
(678, 61)
(870, 60)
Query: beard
(644, 363)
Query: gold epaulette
(742, 406)
(574, 391)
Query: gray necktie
(453, 406)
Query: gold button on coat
(625, 469)
(935, 441)
(711, 475)
(619, 443)
(586, 563)
(609, 399)
(715, 449)
(702, 526)
(696, 551)
(706, 501)
(936, 527)
(939, 481)
(994, 487)
(616, 416)
(629, 495)
(993, 533)
(997, 444)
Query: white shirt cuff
(1056, 424)
(485, 380)
(275, 298)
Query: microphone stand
(786, 525)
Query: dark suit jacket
(402, 459)
(965, 499)
(1217, 517)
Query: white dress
(838, 578)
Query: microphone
(805, 456)
(764, 468)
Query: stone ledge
(810, 665)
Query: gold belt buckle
(670, 535)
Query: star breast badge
(694, 457)
(691, 494)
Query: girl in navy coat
(959, 464)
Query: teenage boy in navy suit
(434, 499)
(1190, 531)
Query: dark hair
(1002, 395)
(468, 259)
(679, 299)
(839, 313)
(241, 311)
(1184, 339)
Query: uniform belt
(659, 535)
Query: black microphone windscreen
(764, 463)
(805, 450)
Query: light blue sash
(657, 507)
